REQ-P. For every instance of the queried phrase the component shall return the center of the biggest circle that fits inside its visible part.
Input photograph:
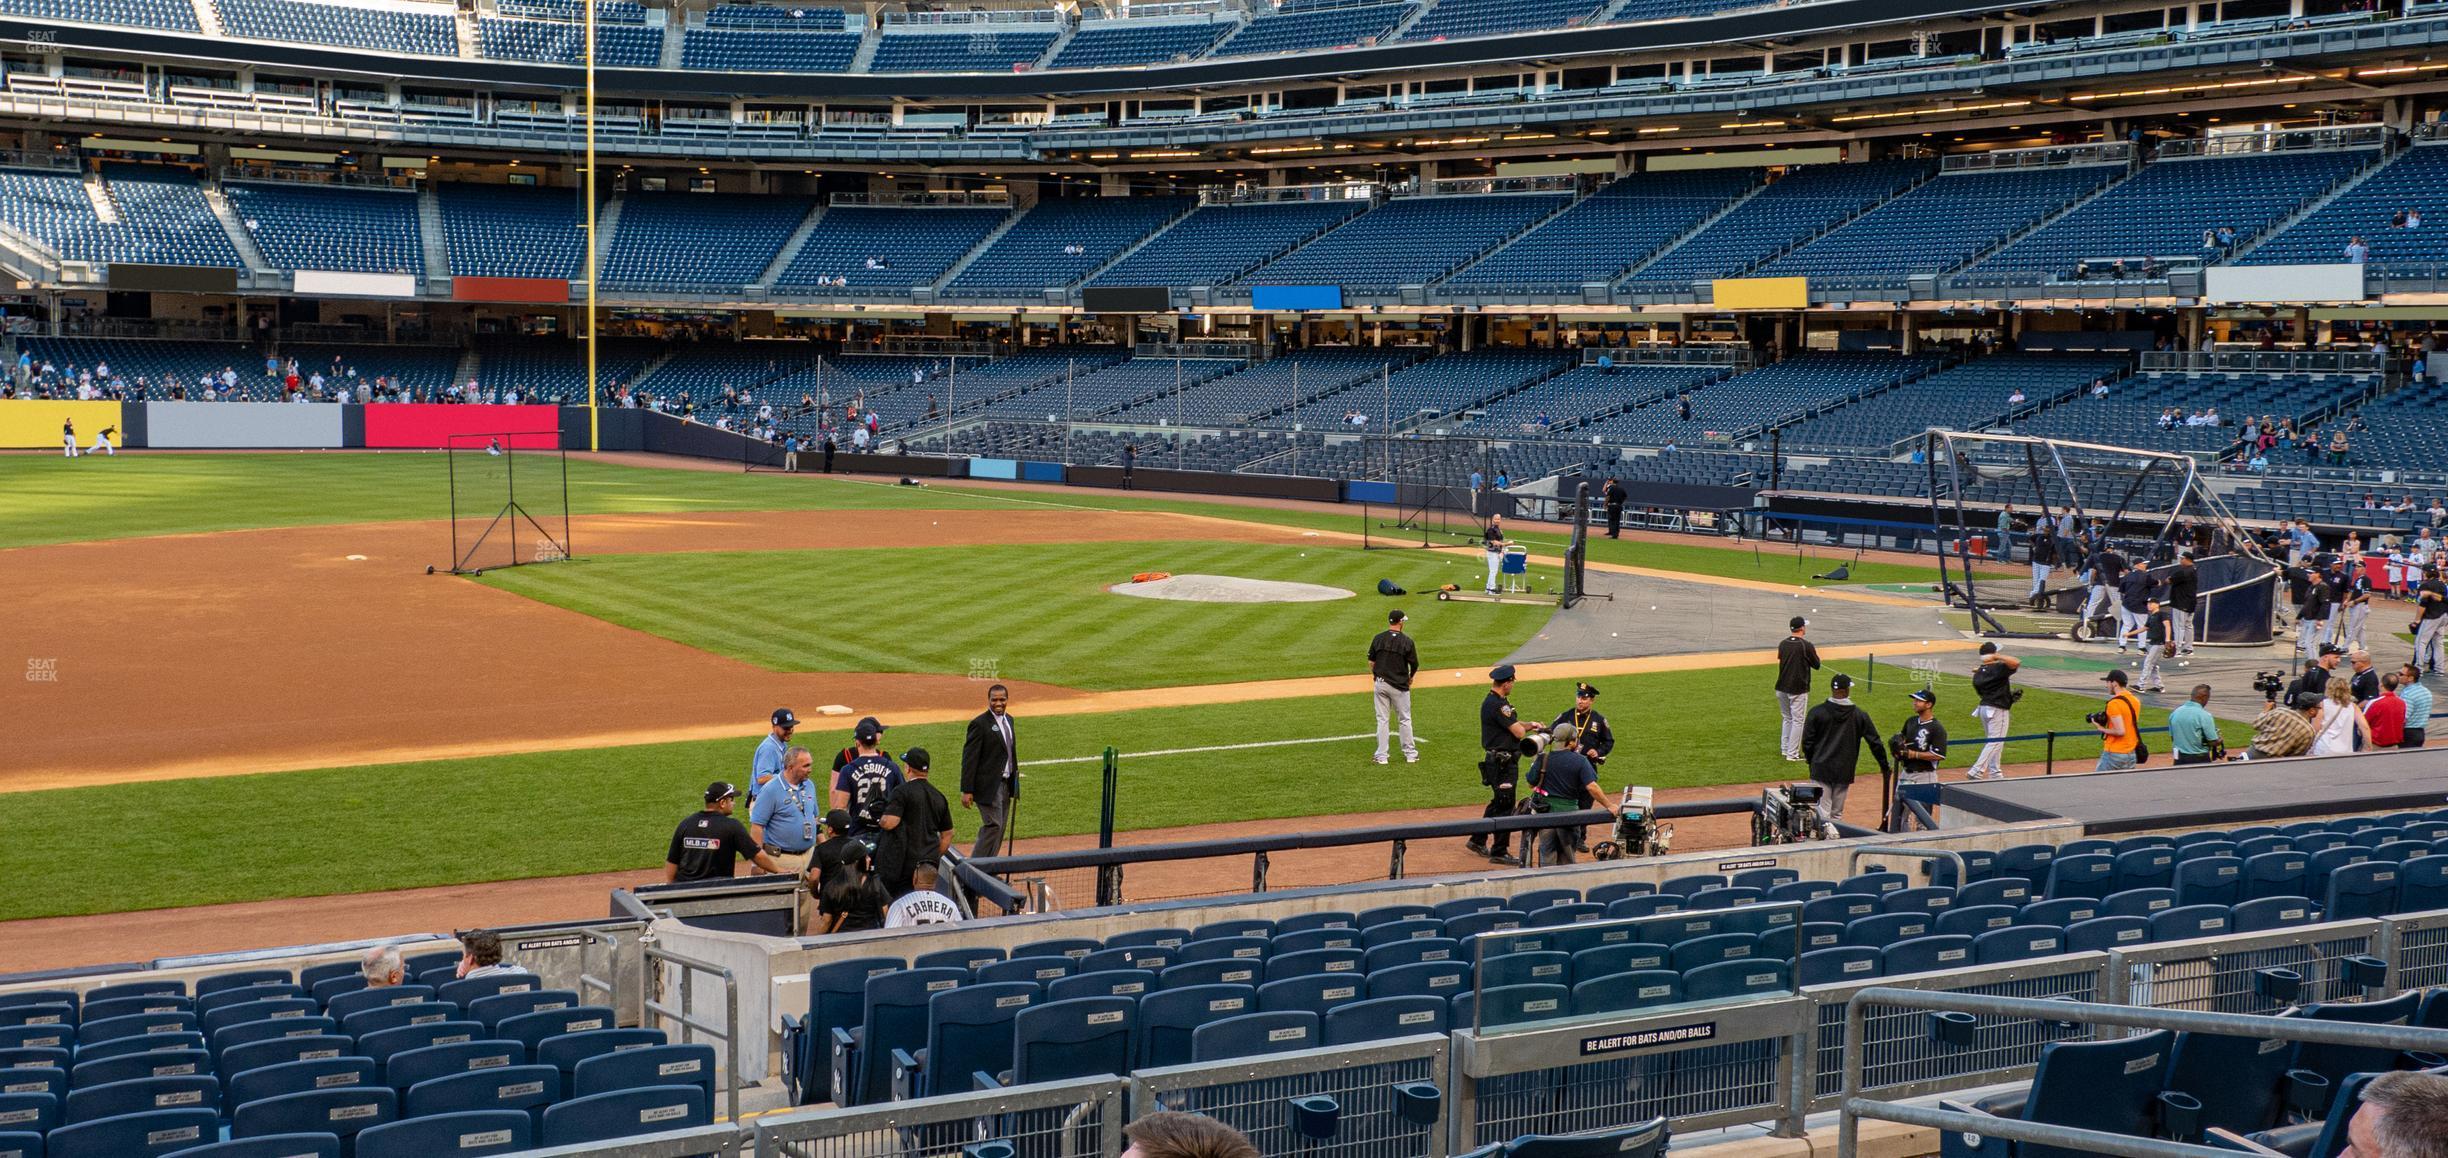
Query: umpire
(1501, 730)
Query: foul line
(1208, 748)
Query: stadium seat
(1536, 899)
(1643, 905)
(1642, 1140)
(123, 1046)
(222, 1017)
(565, 1052)
(967, 1030)
(1793, 891)
(45, 1014)
(148, 1135)
(1355, 1022)
(1492, 1008)
(1841, 908)
(493, 1010)
(2327, 1136)
(2423, 887)
(1925, 954)
(1405, 929)
(106, 1008)
(240, 979)
(1036, 970)
(1605, 934)
(381, 1045)
(2138, 902)
(39, 1058)
(1931, 900)
(1737, 979)
(1075, 1039)
(1110, 983)
(1614, 891)
(1838, 965)
(1573, 912)
(2236, 1079)
(1877, 883)
(1613, 960)
(2149, 867)
(1315, 993)
(209, 1003)
(2210, 880)
(2017, 943)
(472, 1133)
(1973, 920)
(2061, 912)
(1253, 1034)
(381, 1017)
(971, 959)
(297, 1077)
(2100, 934)
(36, 1111)
(1167, 1019)
(252, 1056)
(137, 989)
(2362, 889)
(1994, 891)
(95, 1032)
(526, 1089)
(690, 1063)
(269, 1146)
(345, 1112)
(1427, 978)
(1286, 944)
(2262, 844)
(340, 1006)
(624, 1113)
(140, 1095)
(2108, 1086)
(1392, 954)
(466, 990)
(1692, 954)
(1311, 961)
(2334, 1062)
(1535, 968)
(270, 1029)
(1627, 992)
(2320, 866)
(2080, 875)
(532, 1029)
(313, 975)
(1167, 939)
(1887, 928)
(2265, 913)
(20, 1144)
(2192, 922)
(1312, 922)
(894, 1017)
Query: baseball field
(241, 685)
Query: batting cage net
(509, 503)
(1429, 499)
(1994, 497)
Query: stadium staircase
(675, 34)
(1799, 242)
(1140, 244)
(470, 365)
(1456, 414)
(429, 227)
(979, 250)
(1507, 243)
(2045, 222)
(1402, 29)
(2379, 161)
(208, 18)
(789, 252)
(1694, 231)
(868, 44)
(463, 29)
(664, 358)
(1070, 29)
(607, 223)
(248, 251)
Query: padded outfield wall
(279, 425)
(36, 422)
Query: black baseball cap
(1989, 647)
(784, 718)
(918, 758)
(1926, 695)
(1840, 682)
(2331, 649)
(2115, 676)
(719, 791)
(1396, 616)
(838, 820)
(869, 728)
(1796, 623)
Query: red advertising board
(510, 289)
(430, 426)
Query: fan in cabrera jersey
(922, 905)
(710, 844)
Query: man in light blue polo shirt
(768, 761)
(2418, 706)
(786, 813)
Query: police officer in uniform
(1500, 734)
(1597, 739)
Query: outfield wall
(432, 426)
(238, 425)
(36, 422)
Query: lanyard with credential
(807, 818)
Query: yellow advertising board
(1761, 293)
(36, 422)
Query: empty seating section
(1123, 43)
(1968, 397)
(1450, 18)
(558, 369)
(702, 369)
(1406, 241)
(1582, 393)
(330, 227)
(166, 15)
(1796, 386)
(574, 11)
(1312, 29)
(1269, 387)
(2162, 211)
(1002, 50)
(1791, 210)
(692, 241)
(561, 42)
(393, 29)
(508, 231)
(1638, 10)
(163, 216)
(2414, 179)
(910, 247)
(1217, 243)
(1939, 225)
(2401, 430)
(1108, 388)
(764, 16)
(1037, 251)
(2128, 416)
(756, 50)
(1606, 233)
(1438, 386)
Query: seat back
(2266, 913)
(33, 1111)
(1763, 879)
(1409, 928)
(1313, 922)
(110, 1007)
(1738, 979)
(241, 979)
(123, 1046)
(1926, 954)
(467, 990)
(2081, 875)
(2423, 886)
(1616, 960)
(1842, 908)
(566, 1051)
(625, 1113)
(2277, 874)
(2334, 1062)
(1974, 920)
(2062, 912)
(1888, 928)
(111, 1029)
(2107, 1086)
(1394, 953)
(2191, 922)
(344, 1112)
(2364, 889)
(1877, 883)
(2235, 1078)
(1167, 1019)
(1387, 914)
(1314, 994)
(532, 1029)
(1624, 993)
(1086, 1037)
(1252, 1034)
(382, 1017)
(1225, 972)
(381, 1044)
(464, 1135)
(1036, 970)
(2152, 867)
(837, 999)
(971, 959)
(245, 995)
(1427, 978)
(493, 1010)
(215, 1020)
(1614, 891)
(1929, 899)
(2143, 902)
(147, 1135)
(2210, 880)
(1109, 983)
(270, 1146)
(297, 1077)
(1511, 1005)
(2029, 861)
(1072, 947)
(1840, 964)
(522, 1088)
(1311, 961)
(240, 1059)
(1685, 886)
(896, 1018)
(969, 1030)
(142, 1095)
(1539, 968)
(2100, 934)
(1286, 945)
(330, 987)
(2017, 943)
(690, 1063)
(269, 1029)
(162, 988)
(159, 1064)
(1645, 1140)
(1384, 1017)
(2014, 891)
(360, 1000)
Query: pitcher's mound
(1228, 589)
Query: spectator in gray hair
(2403, 1115)
(382, 966)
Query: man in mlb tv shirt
(709, 844)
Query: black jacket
(983, 756)
(1833, 736)
(1796, 660)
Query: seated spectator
(382, 967)
(2413, 219)
(480, 955)
(2337, 448)
(2016, 398)
(2397, 220)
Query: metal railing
(1856, 1107)
(2416, 949)
(930, 200)
(2222, 974)
(722, 1141)
(2266, 361)
(2104, 153)
(685, 1016)
(1377, 1118)
(1896, 1056)
(1703, 354)
(2278, 141)
(1082, 1118)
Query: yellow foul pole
(594, 414)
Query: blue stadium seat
(564, 1053)
(1535, 968)
(1794, 891)
(1428, 978)
(894, 1017)
(241, 979)
(1612, 960)
(471, 1133)
(1692, 954)
(467, 990)
(1626, 992)
(314, 975)
(2321, 865)
(967, 1030)
(1253, 949)
(2100, 934)
(1994, 891)
(36, 1111)
(1397, 953)
(1575, 912)
(381, 1045)
(491, 1011)
(297, 1077)
(1469, 925)
(1841, 964)
(1313, 922)
(382, 1017)
(1131, 983)
(1925, 954)
(1614, 891)
(1167, 1019)
(2194, 845)
(2017, 943)
(345, 1112)
(1974, 920)
(2327, 1136)
(241, 1059)
(1738, 979)
(532, 1029)
(1071, 947)
(1035, 970)
(1355, 1022)
(1286, 944)
(2364, 889)
(108, 1029)
(148, 1135)
(2109, 1086)
(971, 959)
(2141, 902)
(61, 1014)
(220, 1018)
(136, 989)
(2236, 1079)
(1644, 905)
(1245, 927)
(526, 1089)
(268, 1030)
(2210, 880)
(140, 1095)
(2079, 875)
(1075, 1039)
(39, 1058)
(1407, 929)
(689, 1063)
(1601, 934)
(1535, 899)
(1315, 993)
(20, 1144)
(118, 1047)
(2152, 867)
(110, 1007)
(340, 1006)
(1510, 1005)
(1674, 929)
(1312, 961)
(625, 1113)
(2248, 847)
(1886, 929)
(269, 1146)
(1685, 886)
(1253, 1034)
(2062, 912)
(2334, 1062)
(2314, 843)
(1841, 908)
(2424, 885)
(2265, 913)
(1388, 914)
(1876, 883)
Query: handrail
(727, 1032)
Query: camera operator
(2119, 724)
(1501, 732)
(1834, 735)
(2315, 679)
(1993, 682)
(1565, 781)
(2193, 733)
(1596, 738)
(2284, 730)
(1918, 749)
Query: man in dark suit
(990, 770)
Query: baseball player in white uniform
(102, 442)
(68, 437)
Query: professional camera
(1637, 832)
(1787, 815)
(2097, 718)
(1533, 744)
(2269, 684)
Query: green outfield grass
(48, 499)
(1037, 612)
(352, 830)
